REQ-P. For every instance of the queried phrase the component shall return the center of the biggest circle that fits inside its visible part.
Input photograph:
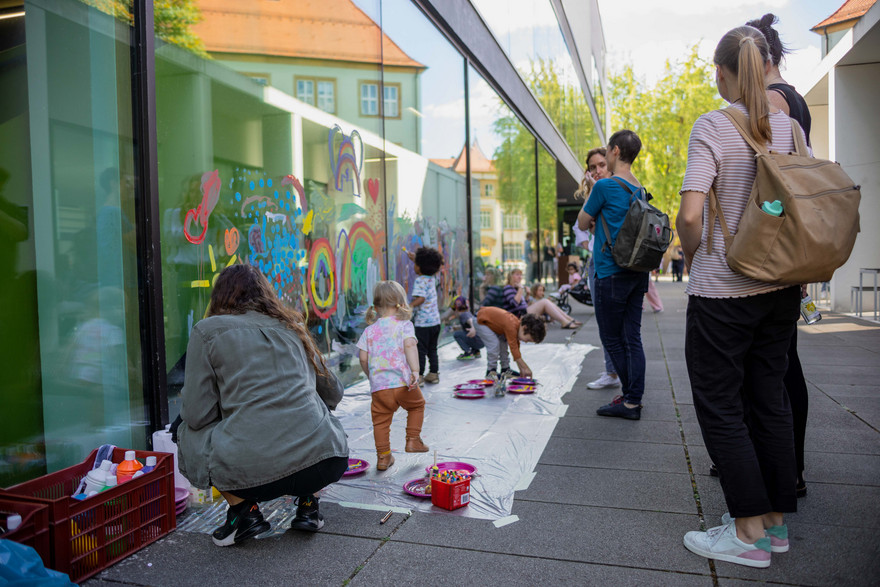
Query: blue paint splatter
(252, 186)
(238, 196)
(269, 182)
(320, 329)
(231, 181)
(261, 183)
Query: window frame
(360, 86)
(315, 80)
(398, 87)
(485, 214)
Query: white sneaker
(604, 381)
(721, 543)
(778, 535)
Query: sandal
(573, 325)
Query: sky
(647, 32)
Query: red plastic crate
(450, 496)
(90, 535)
(34, 528)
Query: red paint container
(450, 496)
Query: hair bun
(769, 19)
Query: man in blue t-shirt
(619, 292)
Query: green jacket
(253, 409)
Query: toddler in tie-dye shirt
(389, 357)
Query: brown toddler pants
(385, 403)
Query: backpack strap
(606, 244)
(715, 210)
(800, 145)
(741, 124)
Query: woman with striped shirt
(738, 329)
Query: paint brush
(386, 517)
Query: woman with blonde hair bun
(738, 329)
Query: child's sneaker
(308, 516)
(778, 535)
(465, 356)
(475, 355)
(383, 461)
(416, 445)
(241, 523)
(721, 543)
(432, 378)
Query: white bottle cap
(105, 465)
(151, 461)
(13, 521)
(129, 455)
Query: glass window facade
(70, 352)
(318, 161)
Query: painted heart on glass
(230, 239)
(199, 215)
(373, 188)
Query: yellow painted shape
(307, 225)
(211, 255)
(201, 283)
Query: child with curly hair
(427, 262)
(499, 329)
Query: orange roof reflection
(850, 10)
(335, 30)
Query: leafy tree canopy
(661, 114)
(173, 20)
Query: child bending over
(499, 329)
(388, 356)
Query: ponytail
(744, 52)
(750, 82)
(372, 315)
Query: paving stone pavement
(611, 499)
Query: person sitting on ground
(257, 395)
(574, 275)
(467, 337)
(517, 303)
(389, 357)
(499, 329)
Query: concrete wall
(855, 130)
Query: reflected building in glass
(143, 151)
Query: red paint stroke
(372, 186)
(231, 239)
(210, 196)
(297, 186)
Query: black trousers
(736, 352)
(796, 388)
(427, 337)
(300, 484)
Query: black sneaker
(308, 517)
(241, 524)
(616, 409)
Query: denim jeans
(468, 344)
(618, 301)
(591, 279)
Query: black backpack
(643, 237)
(494, 297)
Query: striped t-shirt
(719, 156)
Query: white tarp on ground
(502, 437)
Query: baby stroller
(579, 291)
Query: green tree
(662, 115)
(172, 19)
(515, 157)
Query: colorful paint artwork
(198, 217)
(346, 158)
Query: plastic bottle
(13, 521)
(151, 464)
(773, 208)
(111, 483)
(96, 479)
(128, 467)
(809, 311)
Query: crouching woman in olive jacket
(256, 408)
